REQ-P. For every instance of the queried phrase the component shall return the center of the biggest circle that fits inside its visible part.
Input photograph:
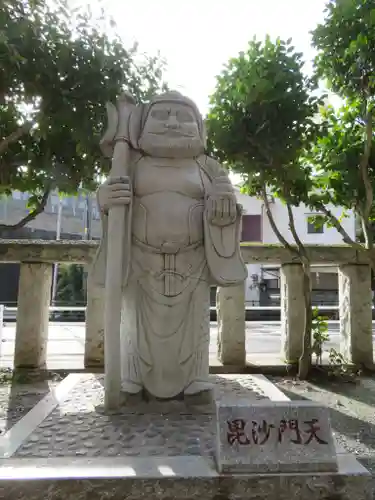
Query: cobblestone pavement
(79, 427)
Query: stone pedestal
(292, 311)
(34, 295)
(94, 343)
(356, 314)
(230, 304)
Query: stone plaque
(288, 436)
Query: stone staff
(115, 144)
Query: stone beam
(83, 251)
(318, 254)
(76, 252)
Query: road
(67, 340)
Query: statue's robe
(173, 255)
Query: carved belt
(168, 248)
(169, 274)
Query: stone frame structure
(36, 257)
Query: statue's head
(170, 125)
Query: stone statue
(180, 236)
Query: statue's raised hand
(115, 191)
(221, 203)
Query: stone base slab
(68, 447)
(165, 478)
(71, 421)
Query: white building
(256, 228)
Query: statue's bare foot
(131, 399)
(199, 393)
(202, 398)
(198, 386)
(132, 393)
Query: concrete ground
(67, 340)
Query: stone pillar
(34, 296)
(292, 311)
(356, 314)
(94, 342)
(1, 326)
(230, 306)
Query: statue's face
(171, 130)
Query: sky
(197, 37)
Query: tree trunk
(304, 365)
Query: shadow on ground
(352, 427)
(20, 392)
(352, 413)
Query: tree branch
(13, 137)
(336, 224)
(293, 230)
(275, 229)
(31, 215)
(367, 232)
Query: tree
(58, 69)
(70, 289)
(260, 122)
(344, 158)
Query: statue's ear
(135, 124)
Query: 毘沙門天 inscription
(246, 433)
(274, 436)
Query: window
(315, 224)
(251, 228)
(273, 284)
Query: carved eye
(184, 116)
(160, 114)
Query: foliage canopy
(58, 69)
(345, 157)
(346, 47)
(262, 116)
